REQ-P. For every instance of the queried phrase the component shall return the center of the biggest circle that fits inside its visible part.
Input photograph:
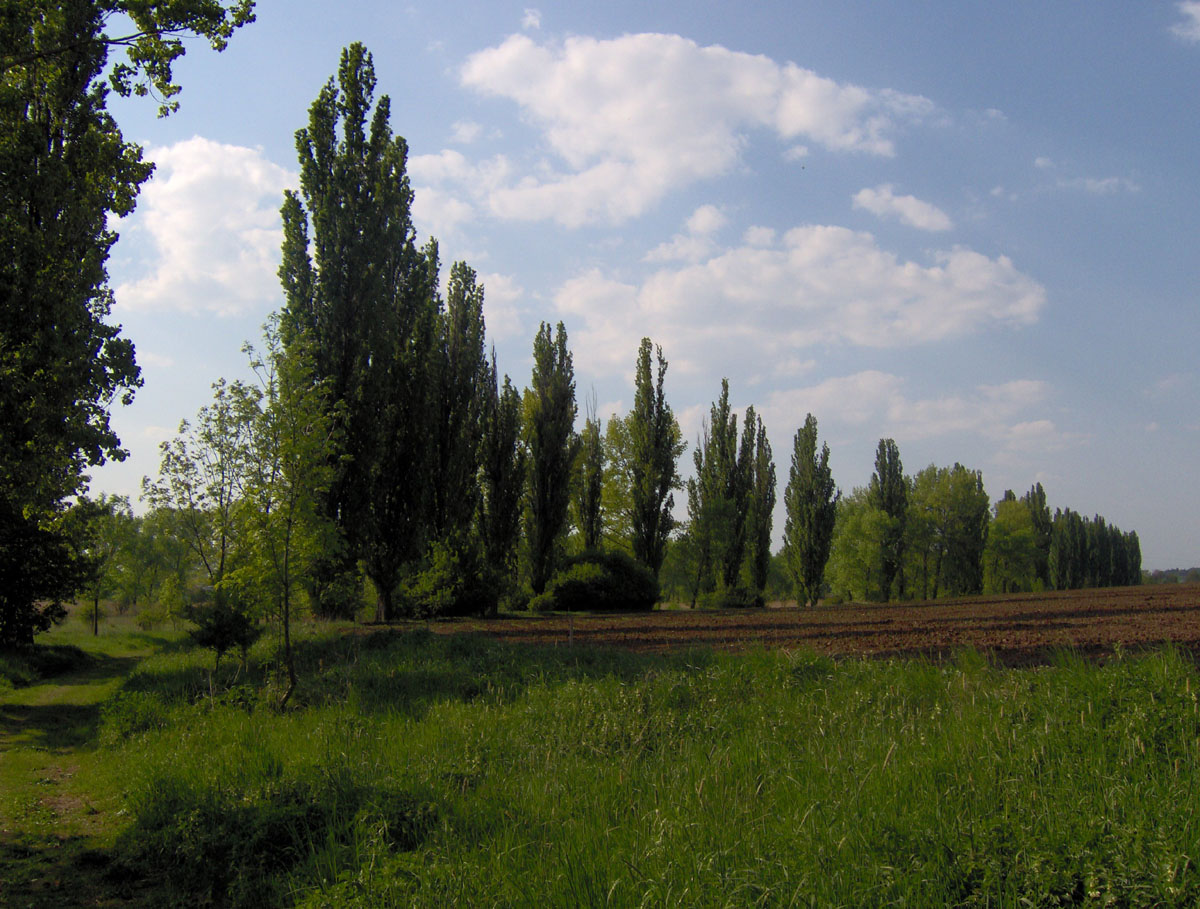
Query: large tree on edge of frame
(67, 169)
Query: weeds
(420, 769)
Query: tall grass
(426, 770)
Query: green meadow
(412, 768)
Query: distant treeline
(1172, 576)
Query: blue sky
(973, 230)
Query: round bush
(605, 581)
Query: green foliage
(1010, 558)
(360, 290)
(461, 383)
(855, 569)
(68, 173)
(423, 758)
(810, 500)
(1091, 553)
(600, 581)
(202, 473)
(947, 531)
(739, 597)
(549, 420)
(588, 484)
(889, 494)
(655, 444)
(761, 516)
(452, 581)
(502, 478)
(223, 625)
(719, 498)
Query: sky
(971, 228)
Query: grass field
(421, 769)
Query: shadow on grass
(407, 671)
(67, 718)
(49, 872)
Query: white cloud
(464, 132)
(437, 213)
(155, 360)
(705, 220)
(1189, 28)
(814, 285)
(501, 314)
(532, 19)
(882, 201)
(635, 117)
(1101, 186)
(695, 243)
(877, 401)
(211, 217)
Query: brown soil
(1015, 629)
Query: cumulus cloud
(695, 242)
(501, 313)
(883, 201)
(210, 219)
(814, 285)
(879, 401)
(1189, 28)
(635, 117)
(464, 132)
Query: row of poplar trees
(936, 533)
(440, 463)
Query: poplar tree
(589, 485)
(502, 475)
(655, 444)
(460, 387)
(358, 286)
(888, 491)
(810, 500)
(717, 498)
(552, 449)
(762, 507)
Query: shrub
(606, 581)
(222, 627)
(453, 582)
(731, 598)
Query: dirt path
(53, 837)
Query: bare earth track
(1017, 629)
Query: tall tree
(292, 440)
(356, 283)
(67, 174)
(889, 493)
(502, 476)
(1039, 511)
(552, 449)
(1010, 555)
(460, 387)
(810, 500)
(589, 484)
(655, 444)
(762, 508)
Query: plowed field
(1015, 629)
